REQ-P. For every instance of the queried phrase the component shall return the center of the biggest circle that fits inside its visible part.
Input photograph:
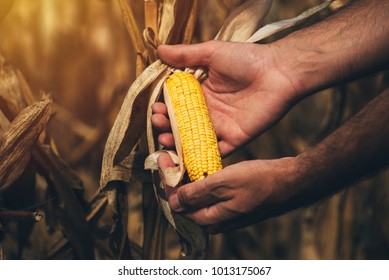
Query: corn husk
(282, 26)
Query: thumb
(187, 55)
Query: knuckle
(184, 196)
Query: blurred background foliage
(80, 53)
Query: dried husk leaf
(151, 161)
(97, 205)
(244, 21)
(196, 239)
(174, 18)
(17, 141)
(153, 98)
(135, 35)
(155, 225)
(151, 44)
(191, 24)
(128, 127)
(72, 215)
(151, 15)
(132, 27)
(283, 25)
(171, 176)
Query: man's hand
(245, 92)
(238, 195)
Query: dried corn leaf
(196, 239)
(284, 25)
(191, 24)
(244, 21)
(155, 95)
(5, 7)
(128, 127)
(151, 15)
(135, 35)
(132, 28)
(17, 141)
(151, 44)
(72, 215)
(174, 19)
(154, 225)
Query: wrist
(293, 177)
(291, 69)
(302, 183)
(300, 67)
(288, 185)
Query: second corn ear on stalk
(196, 132)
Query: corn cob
(198, 138)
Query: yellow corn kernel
(198, 138)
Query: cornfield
(74, 138)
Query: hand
(238, 195)
(245, 92)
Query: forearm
(351, 43)
(354, 151)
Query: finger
(198, 194)
(206, 216)
(167, 140)
(161, 122)
(218, 218)
(187, 55)
(159, 108)
(225, 148)
(164, 161)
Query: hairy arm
(349, 44)
(356, 150)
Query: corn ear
(192, 125)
